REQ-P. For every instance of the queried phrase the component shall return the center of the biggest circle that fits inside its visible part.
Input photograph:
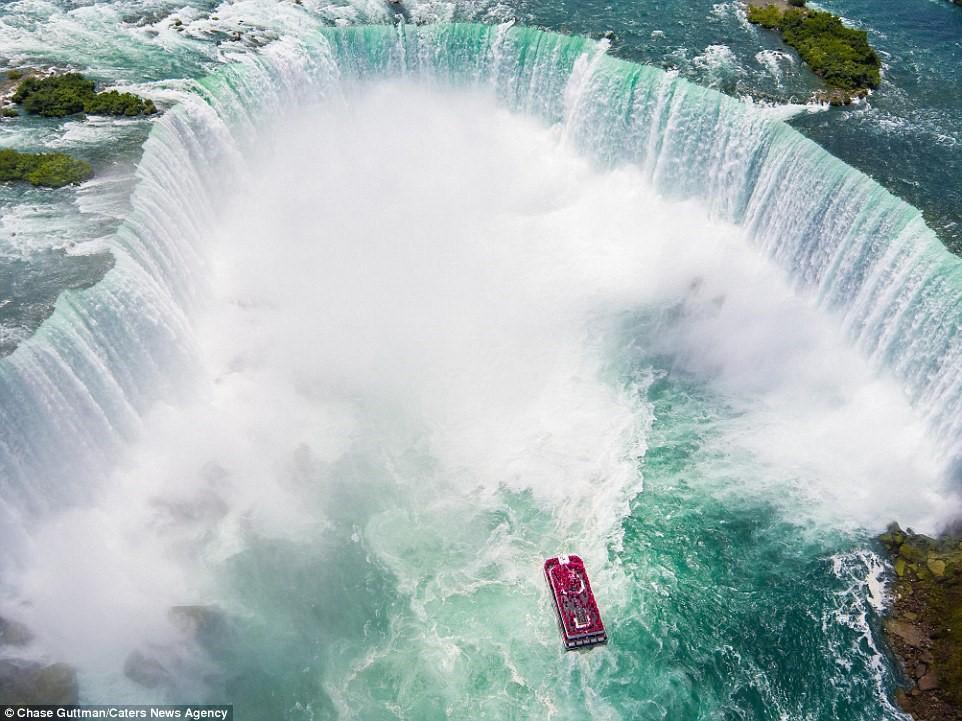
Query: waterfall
(75, 390)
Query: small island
(923, 627)
(840, 55)
(51, 170)
(58, 96)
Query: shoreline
(923, 625)
(782, 5)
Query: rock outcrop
(924, 625)
(13, 633)
(31, 682)
(183, 667)
(24, 681)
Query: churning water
(396, 312)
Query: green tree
(53, 170)
(71, 93)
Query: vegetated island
(839, 55)
(52, 170)
(924, 623)
(58, 96)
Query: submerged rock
(30, 682)
(838, 97)
(148, 671)
(185, 666)
(207, 625)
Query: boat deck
(578, 616)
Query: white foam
(421, 296)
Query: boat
(574, 602)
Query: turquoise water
(906, 137)
(395, 313)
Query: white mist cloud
(417, 300)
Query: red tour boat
(578, 615)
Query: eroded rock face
(30, 682)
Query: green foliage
(768, 17)
(9, 113)
(56, 96)
(72, 93)
(14, 74)
(838, 54)
(115, 103)
(950, 649)
(53, 170)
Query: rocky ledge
(174, 669)
(25, 681)
(924, 624)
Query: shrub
(115, 103)
(768, 17)
(14, 74)
(55, 96)
(53, 170)
(71, 93)
(839, 54)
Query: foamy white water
(375, 345)
(414, 318)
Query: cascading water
(354, 404)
